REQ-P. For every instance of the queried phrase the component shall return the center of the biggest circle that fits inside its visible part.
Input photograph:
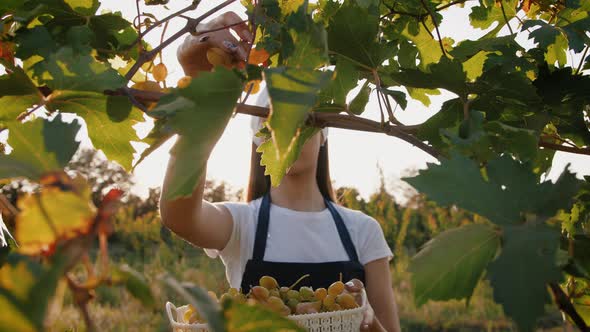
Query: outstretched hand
(370, 323)
(192, 53)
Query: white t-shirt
(298, 236)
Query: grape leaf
(292, 93)
(17, 94)
(344, 79)
(250, 318)
(449, 115)
(450, 265)
(429, 51)
(511, 188)
(489, 11)
(199, 114)
(352, 32)
(68, 71)
(201, 301)
(359, 102)
(39, 147)
(310, 46)
(520, 274)
(135, 283)
(521, 142)
(446, 73)
(25, 290)
(275, 167)
(51, 216)
(110, 121)
(398, 96)
(84, 7)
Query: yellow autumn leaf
(53, 215)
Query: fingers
(241, 28)
(354, 286)
(368, 318)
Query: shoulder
(357, 221)
(241, 210)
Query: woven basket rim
(301, 317)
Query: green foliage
(470, 248)
(55, 137)
(199, 113)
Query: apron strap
(262, 230)
(343, 232)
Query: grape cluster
(289, 301)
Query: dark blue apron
(321, 274)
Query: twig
(566, 306)
(505, 18)
(581, 61)
(558, 147)
(133, 100)
(25, 114)
(82, 303)
(440, 42)
(179, 13)
(452, 3)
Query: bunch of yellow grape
(289, 301)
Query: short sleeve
(240, 212)
(373, 244)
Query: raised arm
(198, 221)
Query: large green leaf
(39, 147)
(25, 290)
(520, 274)
(292, 92)
(201, 301)
(256, 318)
(490, 11)
(429, 51)
(275, 167)
(450, 265)
(199, 114)
(17, 94)
(136, 284)
(447, 74)
(352, 32)
(511, 188)
(110, 121)
(66, 70)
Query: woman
(285, 231)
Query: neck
(299, 192)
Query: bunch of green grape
(289, 301)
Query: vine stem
(179, 13)
(559, 147)
(566, 306)
(440, 42)
(505, 17)
(582, 60)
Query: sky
(355, 157)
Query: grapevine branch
(566, 306)
(357, 123)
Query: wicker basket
(336, 321)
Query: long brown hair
(259, 184)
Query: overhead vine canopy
(512, 108)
